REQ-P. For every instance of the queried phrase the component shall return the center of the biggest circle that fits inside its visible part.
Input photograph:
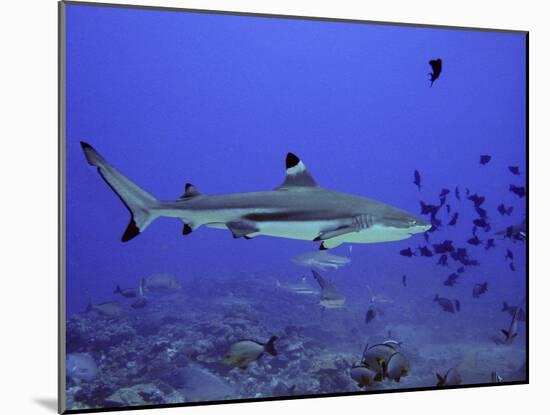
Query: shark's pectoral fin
(242, 229)
(333, 233)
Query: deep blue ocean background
(218, 101)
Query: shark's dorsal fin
(190, 191)
(296, 174)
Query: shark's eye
(412, 222)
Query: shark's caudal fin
(141, 204)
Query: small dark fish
(503, 210)
(489, 244)
(444, 192)
(460, 254)
(512, 310)
(461, 270)
(443, 247)
(482, 223)
(448, 207)
(125, 292)
(477, 199)
(479, 289)
(437, 67)
(471, 262)
(514, 170)
(436, 223)
(417, 179)
(474, 241)
(407, 252)
(509, 255)
(371, 314)
(451, 280)
(453, 220)
(445, 303)
(518, 190)
(457, 193)
(484, 159)
(457, 305)
(404, 280)
(139, 303)
(427, 209)
(425, 251)
(482, 213)
(443, 260)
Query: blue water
(218, 101)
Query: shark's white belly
(309, 230)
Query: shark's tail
(143, 207)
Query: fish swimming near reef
(302, 287)
(479, 289)
(363, 375)
(159, 283)
(199, 384)
(451, 378)
(397, 366)
(297, 209)
(377, 356)
(512, 332)
(243, 352)
(512, 310)
(80, 367)
(330, 296)
(111, 309)
(321, 260)
(371, 314)
(445, 303)
(125, 292)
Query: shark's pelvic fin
(142, 206)
(296, 174)
(329, 244)
(242, 229)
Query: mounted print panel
(261, 207)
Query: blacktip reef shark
(297, 209)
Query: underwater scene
(269, 207)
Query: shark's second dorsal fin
(190, 191)
(296, 174)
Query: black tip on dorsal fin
(291, 160)
(296, 174)
(187, 229)
(190, 191)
